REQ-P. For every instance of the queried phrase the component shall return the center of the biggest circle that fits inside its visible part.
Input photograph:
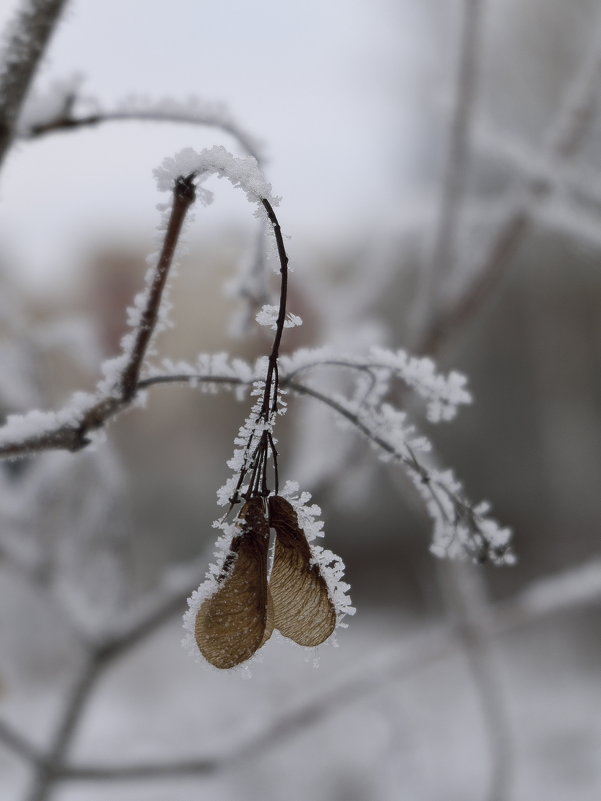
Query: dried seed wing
(231, 624)
(303, 609)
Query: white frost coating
(193, 110)
(241, 171)
(112, 369)
(21, 427)
(208, 587)
(461, 530)
(268, 316)
(229, 373)
(443, 393)
(330, 565)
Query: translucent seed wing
(233, 622)
(303, 610)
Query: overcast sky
(330, 87)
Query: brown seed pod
(238, 618)
(303, 609)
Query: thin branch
(184, 196)
(48, 770)
(69, 122)
(272, 375)
(22, 51)
(464, 512)
(70, 429)
(565, 135)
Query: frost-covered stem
(20, 56)
(464, 587)
(48, 771)
(544, 597)
(457, 159)
(564, 136)
(256, 462)
(409, 460)
(73, 437)
(184, 195)
(271, 381)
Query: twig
(68, 122)
(564, 137)
(184, 196)
(48, 771)
(23, 49)
(70, 430)
(464, 512)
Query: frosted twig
(69, 429)
(564, 136)
(461, 529)
(193, 112)
(26, 40)
(430, 647)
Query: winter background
(495, 694)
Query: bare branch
(184, 196)
(27, 39)
(215, 116)
(563, 138)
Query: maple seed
(303, 609)
(238, 618)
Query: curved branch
(214, 119)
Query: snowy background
(351, 102)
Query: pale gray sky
(330, 87)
